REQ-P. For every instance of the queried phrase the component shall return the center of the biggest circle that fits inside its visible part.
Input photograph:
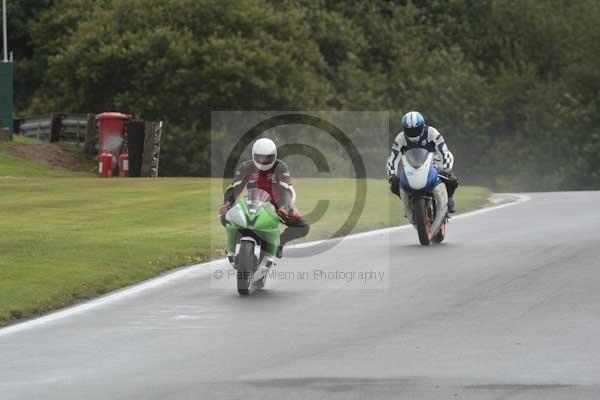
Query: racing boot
(451, 208)
(231, 258)
(280, 250)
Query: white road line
(206, 269)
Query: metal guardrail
(74, 127)
(37, 127)
(70, 128)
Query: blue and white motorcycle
(426, 205)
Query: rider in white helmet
(265, 171)
(418, 135)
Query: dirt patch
(54, 155)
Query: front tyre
(245, 267)
(423, 221)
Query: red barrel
(105, 165)
(124, 164)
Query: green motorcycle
(252, 239)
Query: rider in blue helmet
(416, 134)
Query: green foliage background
(514, 85)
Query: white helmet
(264, 154)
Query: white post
(5, 42)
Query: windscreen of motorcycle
(416, 157)
(255, 199)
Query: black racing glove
(443, 172)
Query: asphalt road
(507, 308)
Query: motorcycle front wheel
(245, 267)
(423, 221)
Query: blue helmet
(413, 124)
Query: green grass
(66, 239)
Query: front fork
(409, 212)
(440, 194)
